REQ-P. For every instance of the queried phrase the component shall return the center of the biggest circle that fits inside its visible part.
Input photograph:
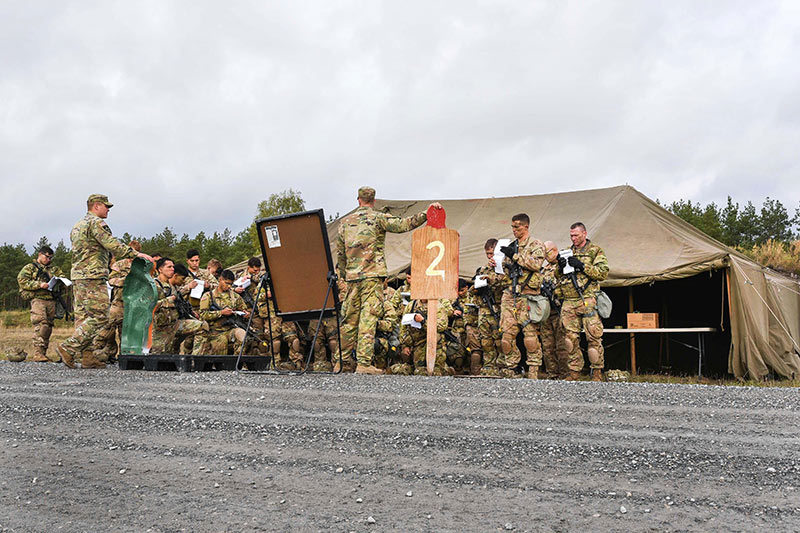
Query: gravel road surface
(110, 450)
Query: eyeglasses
(48, 256)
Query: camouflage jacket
(29, 279)
(165, 313)
(497, 282)
(201, 274)
(595, 270)
(361, 242)
(530, 257)
(92, 247)
(388, 321)
(443, 315)
(217, 322)
(119, 271)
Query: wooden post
(632, 336)
(430, 347)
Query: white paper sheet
(197, 292)
(499, 256)
(480, 281)
(242, 282)
(566, 254)
(54, 280)
(408, 320)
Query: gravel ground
(155, 451)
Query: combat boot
(322, 366)
(40, 358)
(573, 375)
(532, 374)
(597, 374)
(368, 369)
(475, 363)
(90, 360)
(66, 357)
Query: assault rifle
(515, 270)
(184, 308)
(56, 292)
(237, 321)
(487, 296)
(549, 290)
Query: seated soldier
(387, 332)
(217, 308)
(326, 340)
(273, 325)
(413, 341)
(462, 337)
(173, 323)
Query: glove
(575, 263)
(508, 251)
(562, 262)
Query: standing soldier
(524, 258)
(557, 361)
(92, 247)
(579, 310)
(488, 291)
(361, 263)
(33, 285)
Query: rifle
(184, 308)
(514, 271)
(487, 296)
(56, 292)
(236, 321)
(549, 290)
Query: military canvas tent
(645, 244)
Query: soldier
(525, 256)
(272, 323)
(169, 327)
(414, 341)
(361, 263)
(253, 274)
(327, 337)
(198, 274)
(462, 338)
(33, 285)
(488, 291)
(214, 267)
(116, 279)
(216, 308)
(557, 362)
(579, 310)
(92, 246)
(387, 333)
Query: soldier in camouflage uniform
(116, 278)
(248, 294)
(32, 280)
(266, 308)
(361, 263)
(515, 308)
(198, 274)
(488, 325)
(557, 362)
(580, 311)
(326, 340)
(387, 333)
(463, 326)
(92, 247)
(414, 341)
(169, 329)
(222, 335)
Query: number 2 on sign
(431, 270)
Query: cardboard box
(642, 320)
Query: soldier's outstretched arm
(341, 255)
(395, 224)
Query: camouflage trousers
(95, 330)
(291, 335)
(415, 343)
(43, 314)
(327, 338)
(115, 314)
(557, 361)
(582, 314)
(459, 355)
(167, 339)
(513, 318)
(489, 337)
(222, 342)
(363, 306)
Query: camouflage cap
(366, 194)
(102, 198)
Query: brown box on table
(642, 320)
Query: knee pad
(531, 343)
(594, 355)
(295, 345)
(276, 347)
(569, 345)
(506, 345)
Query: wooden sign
(434, 271)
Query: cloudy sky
(188, 113)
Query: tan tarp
(644, 243)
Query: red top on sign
(436, 217)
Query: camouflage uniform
(361, 262)
(464, 328)
(43, 305)
(204, 275)
(416, 339)
(515, 312)
(92, 247)
(266, 308)
(257, 323)
(169, 329)
(387, 333)
(557, 361)
(488, 326)
(577, 313)
(221, 334)
(327, 337)
(119, 271)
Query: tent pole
(632, 336)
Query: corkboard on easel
(297, 256)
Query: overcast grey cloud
(188, 113)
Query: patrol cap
(366, 194)
(102, 198)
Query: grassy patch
(22, 319)
(694, 380)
